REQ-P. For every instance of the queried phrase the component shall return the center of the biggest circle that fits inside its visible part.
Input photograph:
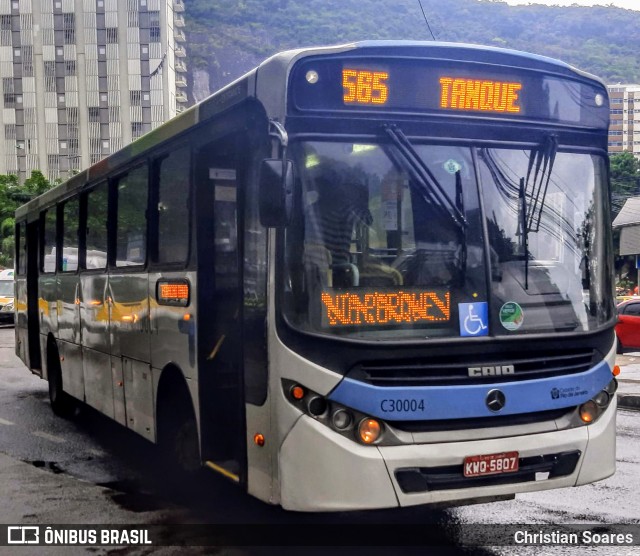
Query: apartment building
(83, 78)
(624, 129)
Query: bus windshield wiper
(525, 230)
(463, 231)
(543, 159)
(406, 157)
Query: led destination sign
(371, 87)
(365, 87)
(414, 86)
(385, 307)
(477, 95)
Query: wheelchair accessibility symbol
(474, 319)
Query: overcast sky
(628, 4)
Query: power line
(426, 20)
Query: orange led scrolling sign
(364, 87)
(377, 307)
(480, 95)
(372, 88)
(173, 292)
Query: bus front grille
(479, 369)
(475, 423)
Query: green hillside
(228, 37)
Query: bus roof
(276, 69)
(445, 50)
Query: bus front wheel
(179, 441)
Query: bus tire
(62, 404)
(179, 443)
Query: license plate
(490, 464)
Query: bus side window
(70, 223)
(131, 236)
(48, 252)
(96, 230)
(173, 207)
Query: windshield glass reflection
(547, 241)
(371, 249)
(388, 241)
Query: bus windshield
(391, 242)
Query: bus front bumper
(323, 471)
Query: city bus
(361, 276)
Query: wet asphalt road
(97, 451)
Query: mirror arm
(277, 131)
(276, 182)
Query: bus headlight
(341, 419)
(611, 387)
(350, 423)
(591, 410)
(601, 398)
(317, 406)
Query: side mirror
(275, 192)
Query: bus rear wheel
(62, 403)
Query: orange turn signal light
(258, 439)
(588, 411)
(616, 370)
(369, 431)
(297, 392)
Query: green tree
(36, 184)
(8, 204)
(12, 195)
(625, 179)
(625, 183)
(229, 37)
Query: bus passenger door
(33, 316)
(219, 309)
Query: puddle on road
(128, 495)
(37, 394)
(47, 465)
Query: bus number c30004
(401, 406)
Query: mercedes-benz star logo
(495, 400)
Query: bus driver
(330, 221)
